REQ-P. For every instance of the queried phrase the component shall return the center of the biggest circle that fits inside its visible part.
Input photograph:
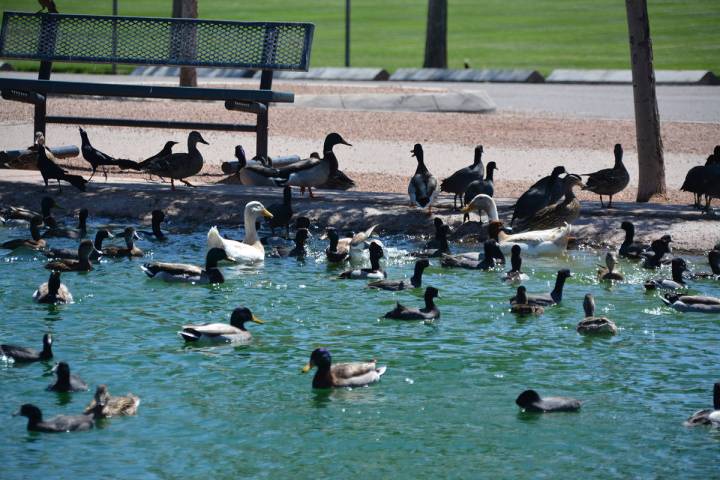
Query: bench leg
(40, 107)
(261, 150)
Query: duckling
(222, 332)
(158, 216)
(458, 182)
(53, 291)
(24, 355)
(629, 248)
(36, 242)
(82, 264)
(130, 250)
(658, 249)
(179, 166)
(521, 305)
(395, 285)
(181, 272)
(609, 181)
(80, 232)
(65, 381)
(678, 266)
(530, 401)
(298, 250)
(282, 213)
(103, 405)
(692, 303)
(429, 312)
(714, 261)
(552, 298)
(490, 253)
(435, 242)
(515, 274)
(708, 416)
(375, 271)
(592, 325)
(355, 374)
(24, 214)
(423, 185)
(557, 214)
(542, 193)
(607, 272)
(443, 247)
(68, 253)
(485, 186)
(56, 424)
(250, 250)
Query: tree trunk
(186, 9)
(651, 164)
(436, 37)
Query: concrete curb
(662, 77)
(463, 101)
(334, 73)
(466, 75)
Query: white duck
(250, 250)
(541, 242)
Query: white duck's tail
(214, 240)
(381, 370)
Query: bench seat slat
(126, 122)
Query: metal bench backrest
(156, 41)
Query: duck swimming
(714, 262)
(692, 303)
(552, 298)
(158, 216)
(592, 325)
(36, 242)
(298, 250)
(250, 250)
(23, 354)
(708, 416)
(182, 272)
(103, 405)
(24, 214)
(356, 374)
(375, 271)
(557, 214)
(658, 249)
(542, 193)
(429, 312)
(234, 332)
(491, 252)
(678, 266)
(282, 213)
(79, 232)
(179, 166)
(83, 264)
(68, 253)
(608, 273)
(52, 291)
(521, 305)
(395, 285)
(130, 249)
(629, 248)
(435, 242)
(65, 381)
(515, 274)
(56, 424)
(609, 181)
(341, 249)
(443, 247)
(423, 185)
(458, 182)
(530, 401)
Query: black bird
(375, 271)
(72, 254)
(677, 282)
(658, 249)
(429, 312)
(458, 182)
(79, 232)
(23, 354)
(630, 248)
(96, 158)
(158, 216)
(486, 186)
(332, 252)
(491, 252)
(395, 285)
(552, 298)
(282, 213)
(56, 424)
(530, 401)
(48, 5)
(82, 264)
(696, 180)
(515, 274)
(166, 150)
(21, 213)
(443, 245)
(714, 261)
(51, 171)
(65, 381)
(544, 192)
(301, 236)
(435, 241)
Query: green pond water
(445, 407)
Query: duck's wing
(392, 285)
(19, 353)
(212, 329)
(699, 300)
(298, 166)
(65, 265)
(259, 169)
(153, 268)
(123, 405)
(360, 237)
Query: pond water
(444, 408)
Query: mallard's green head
(321, 358)
(241, 315)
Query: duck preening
(35, 242)
(179, 166)
(56, 424)
(609, 181)
(50, 170)
(395, 285)
(565, 211)
(66, 381)
(677, 282)
(82, 264)
(592, 325)
(521, 305)
(485, 186)
(428, 312)
(423, 185)
(542, 193)
(458, 182)
(96, 158)
(515, 273)
(708, 416)
(692, 303)
(530, 401)
(251, 249)
(375, 271)
(329, 375)
(608, 272)
(629, 247)
(552, 298)
(282, 213)
(491, 254)
(24, 354)
(104, 405)
(157, 217)
(182, 272)
(130, 249)
(53, 291)
(234, 332)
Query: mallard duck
(179, 166)
(708, 416)
(429, 312)
(79, 232)
(313, 172)
(222, 332)
(629, 247)
(695, 181)
(56, 424)
(165, 152)
(712, 180)
(374, 272)
(157, 217)
(53, 291)
(491, 253)
(485, 186)
(435, 242)
(395, 285)
(250, 250)
(692, 303)
(356, 374)
(608, 272)
(609, 181)
(714, 261)
(521, 305)
(282, 213)
(552, 298)
(542, 193)
(23, 354)
(255, 174)
(542, 242)
(50, 170)
(458, 182)
(678, 266)
(555, 215)
(658, 249)
(36, 242)
(335, 252)
(443, 247)
(69, 253)
(103, 405)
(515, 273)
(423, 185)
(130, 249)
(298, 249)
(82, 264)
(182, 272)
(592, 325)
(341, 249)
(25, 214)
(530, 401)
(65, 381)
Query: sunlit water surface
(445, 407)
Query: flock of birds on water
(540, 225)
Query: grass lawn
(538, 34)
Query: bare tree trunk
(186, 9)
(436, 36)
(647, 118)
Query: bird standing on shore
(96, 158)
(50, 170)
(609, 181)
(458, 182)
(423, 185)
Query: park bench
(48, 38)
